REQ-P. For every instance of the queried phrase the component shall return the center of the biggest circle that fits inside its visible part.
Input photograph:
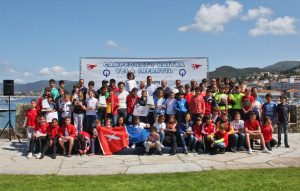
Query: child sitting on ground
(153, 141)
(220, 140)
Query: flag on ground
(112, 140)
(137, 135)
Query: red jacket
(267, 132)
(52, 131)
(114, 104)
(31, 115)
(188, 97)
(208, 129)
(197, 132)
(222, 135)
(130, 101)
(41, 128)
(85, 134)
(71, 131)
(197, 105)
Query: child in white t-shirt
(160, 126)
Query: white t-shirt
(170, 106)
(238, 125)
(66, 108)
(122, 99)
(92, 104)
(159, 126)
(129, 84)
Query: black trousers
(47, 145)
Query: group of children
(207, 118)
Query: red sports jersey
(31, 115)
(252, 126)
(267, 132)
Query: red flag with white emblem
(196, 66)
(112, 140)
(91, 66)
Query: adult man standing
(150, 86)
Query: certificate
(50, 116)
(140, 110)
(150, 100)
(102, 101)
(45, 104)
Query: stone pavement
(13, 161)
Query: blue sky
(45, 39)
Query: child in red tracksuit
(67, 133)
(220, 140)
(267, 131)
(197, 127)
(208, 129)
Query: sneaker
(53, 156)
(241, 149)
(233, 149)
(162, 146)
(200, 151)
(186, 151)
(38, 155)
(287, 146)
(133, 146)
(42, 156)
(265, 150)
(250, 151)
(29, 155)
(91, 154)
(160, 153)
(173, 152)
(278, 145)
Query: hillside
(231, 72)
(282, 66)
(39, 86)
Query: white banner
(170, 69)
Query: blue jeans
(237, 140)
(284, 126)
(161, 136)
(122, 113)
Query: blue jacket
(181, 106)
(183, 126)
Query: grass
(255, 179)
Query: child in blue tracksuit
(186, 133)
(180, 107)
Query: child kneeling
(153, 141)
(220, 140)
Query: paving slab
(13, 160)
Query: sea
(5, 115)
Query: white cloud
(58, 72)
(260, 12)
(111, 44)
(280, 26)
(212, 18)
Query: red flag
(112, 140)
(196, 66)
(91, 66)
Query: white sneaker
(250, 151)
(133, 146)
(162, 146)
(265, 150)
(29, 155)
(38, 155)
